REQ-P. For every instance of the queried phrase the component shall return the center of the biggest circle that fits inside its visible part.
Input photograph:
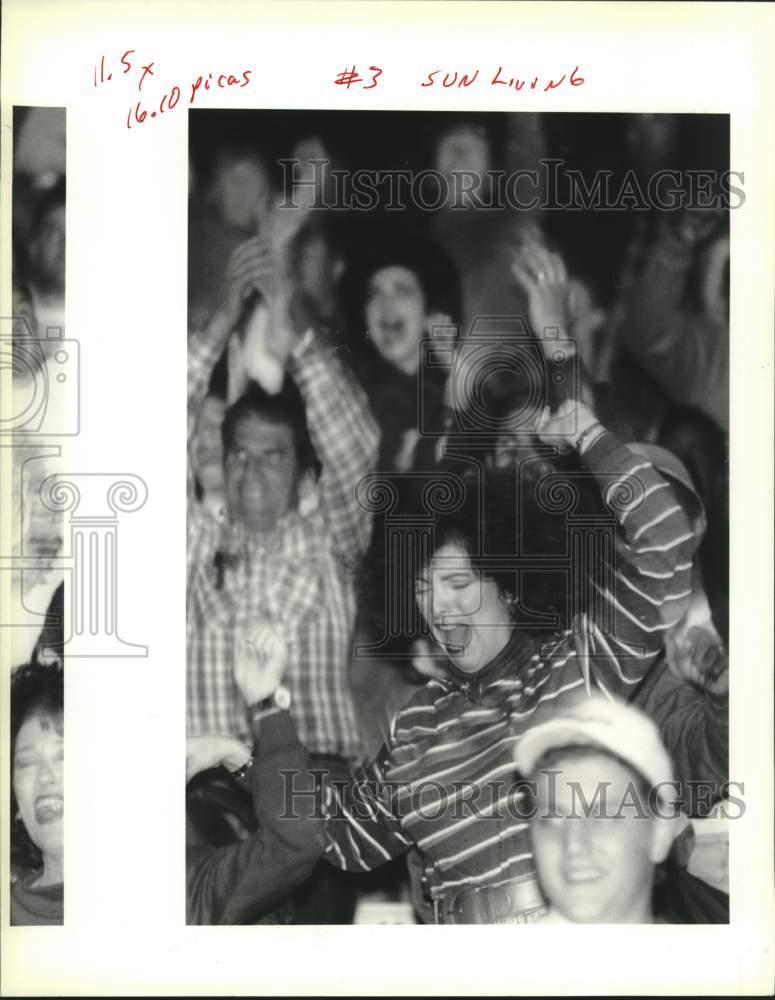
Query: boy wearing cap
(604, 816)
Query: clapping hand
(251, 269)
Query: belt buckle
(518, 901)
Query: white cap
(613, 726)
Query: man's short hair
(286, 407)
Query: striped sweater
(444, 781)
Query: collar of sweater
(486, 686)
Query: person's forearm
(235, 884)
(285, 798)
(372, 839)
(345, 437)
(340, 421)
(205, 347)
(650, 565)
(648, 326)
(653, 523)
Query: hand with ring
(544, 277)
(260, 661)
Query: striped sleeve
(362, 831)
(651, 566)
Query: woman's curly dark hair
(34, 688)
(512, 523)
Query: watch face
(282, 698)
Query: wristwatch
(242, 771)
(279, 701)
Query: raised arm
(250, 270)
(361, 832)
(651, 563)
(235, 883)
(345, 437)
(684, 349)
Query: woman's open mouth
(391, 330)
(49, 808)
(453, 637)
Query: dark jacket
(251, 881)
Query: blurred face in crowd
(37, 779)
(464, 150)
(305, 151)
(595, 865)
(47, 252)
(242, 191)
(396, 316)
(319, 269)
(651, 138)
(465, 611)
(262, 472)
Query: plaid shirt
(300, 573)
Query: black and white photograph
(458, 488)
(386, 484)
(35, 351)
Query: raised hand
(567, 424)
(698, 656)
(251, 269)
(544, 277)
(260, 662)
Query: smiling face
(396, 315)
(465, 611)
(595, 868)
(38, 755)
(262, 472)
